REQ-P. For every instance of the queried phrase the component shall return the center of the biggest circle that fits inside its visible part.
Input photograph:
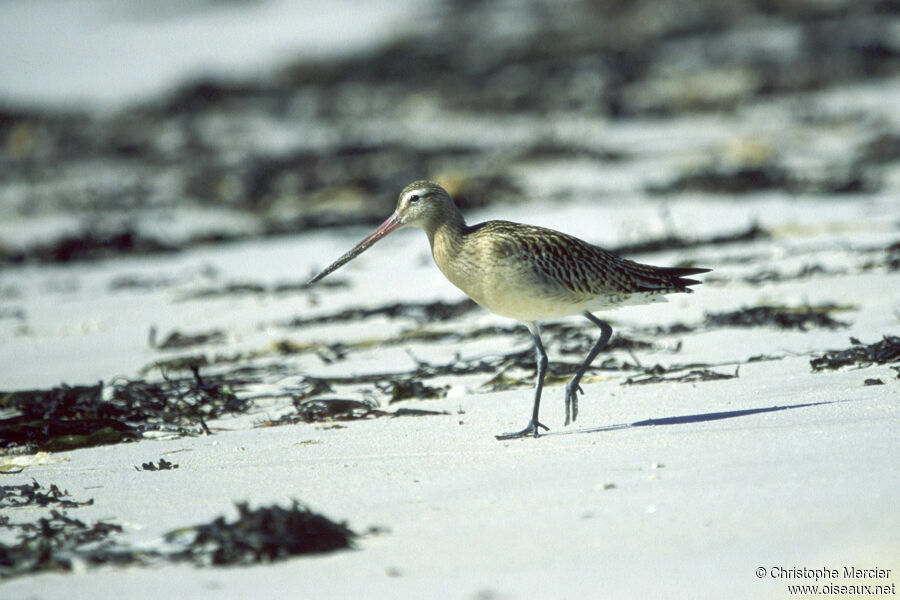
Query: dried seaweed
(229, 289)
(409, 384)
(423, 312)
(33, 494)
(344, 409)
(692, 376)
(64, 418)
(782, 317)
(860, 355)
(501, 381)
(49, 543)
(746, 179)
(88, 245)
(59, 542)
(892, 258)
(671, 242)
(333, 409)
(178, 340)
(264, 535)
(407, 389)
(883, 149)
(238, 289)
(162, 465)
(179, 363)
(770, 275)
(731, 181)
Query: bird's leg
(573, 387)
(541, 358)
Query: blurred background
(128, 127)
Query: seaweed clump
(409, 389)
(59, 542)
(861, 355)
(54, 542)
(656, 375)
(419, 311)
(264, 535)
(65, 418)
(328, 410)
(32, 494)
(162, 465)
(88, 245)
(783, 317)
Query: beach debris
(783, 317)
(656, 375)
(178, 340)
(770, 275)
(752, 178)
(34, 494)
(334, 409)
(419, 311)
(411, 389)
(264, 534)
(68, 417)
(751, 233)
(226, 290)
(892, 260)
(87, 245)
(63, 418)
(729, 180)
(162, 465)
(187, 362)
(346, 409)
(60, 543)
(50, 543)
(861, 355)
(501, 381)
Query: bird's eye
(414, 198)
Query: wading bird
(526, 273)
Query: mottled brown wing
(558, 259)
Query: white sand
(682, 490)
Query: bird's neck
(446, 233)
(447, 238)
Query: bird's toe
(531, 430)
(572, 402)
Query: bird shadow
(695, 418)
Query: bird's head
(421, 204)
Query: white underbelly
(532, 304)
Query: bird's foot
(572, 390)
(531, 430)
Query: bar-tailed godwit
(526, 273)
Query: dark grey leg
(573, 387)
(540, 356)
